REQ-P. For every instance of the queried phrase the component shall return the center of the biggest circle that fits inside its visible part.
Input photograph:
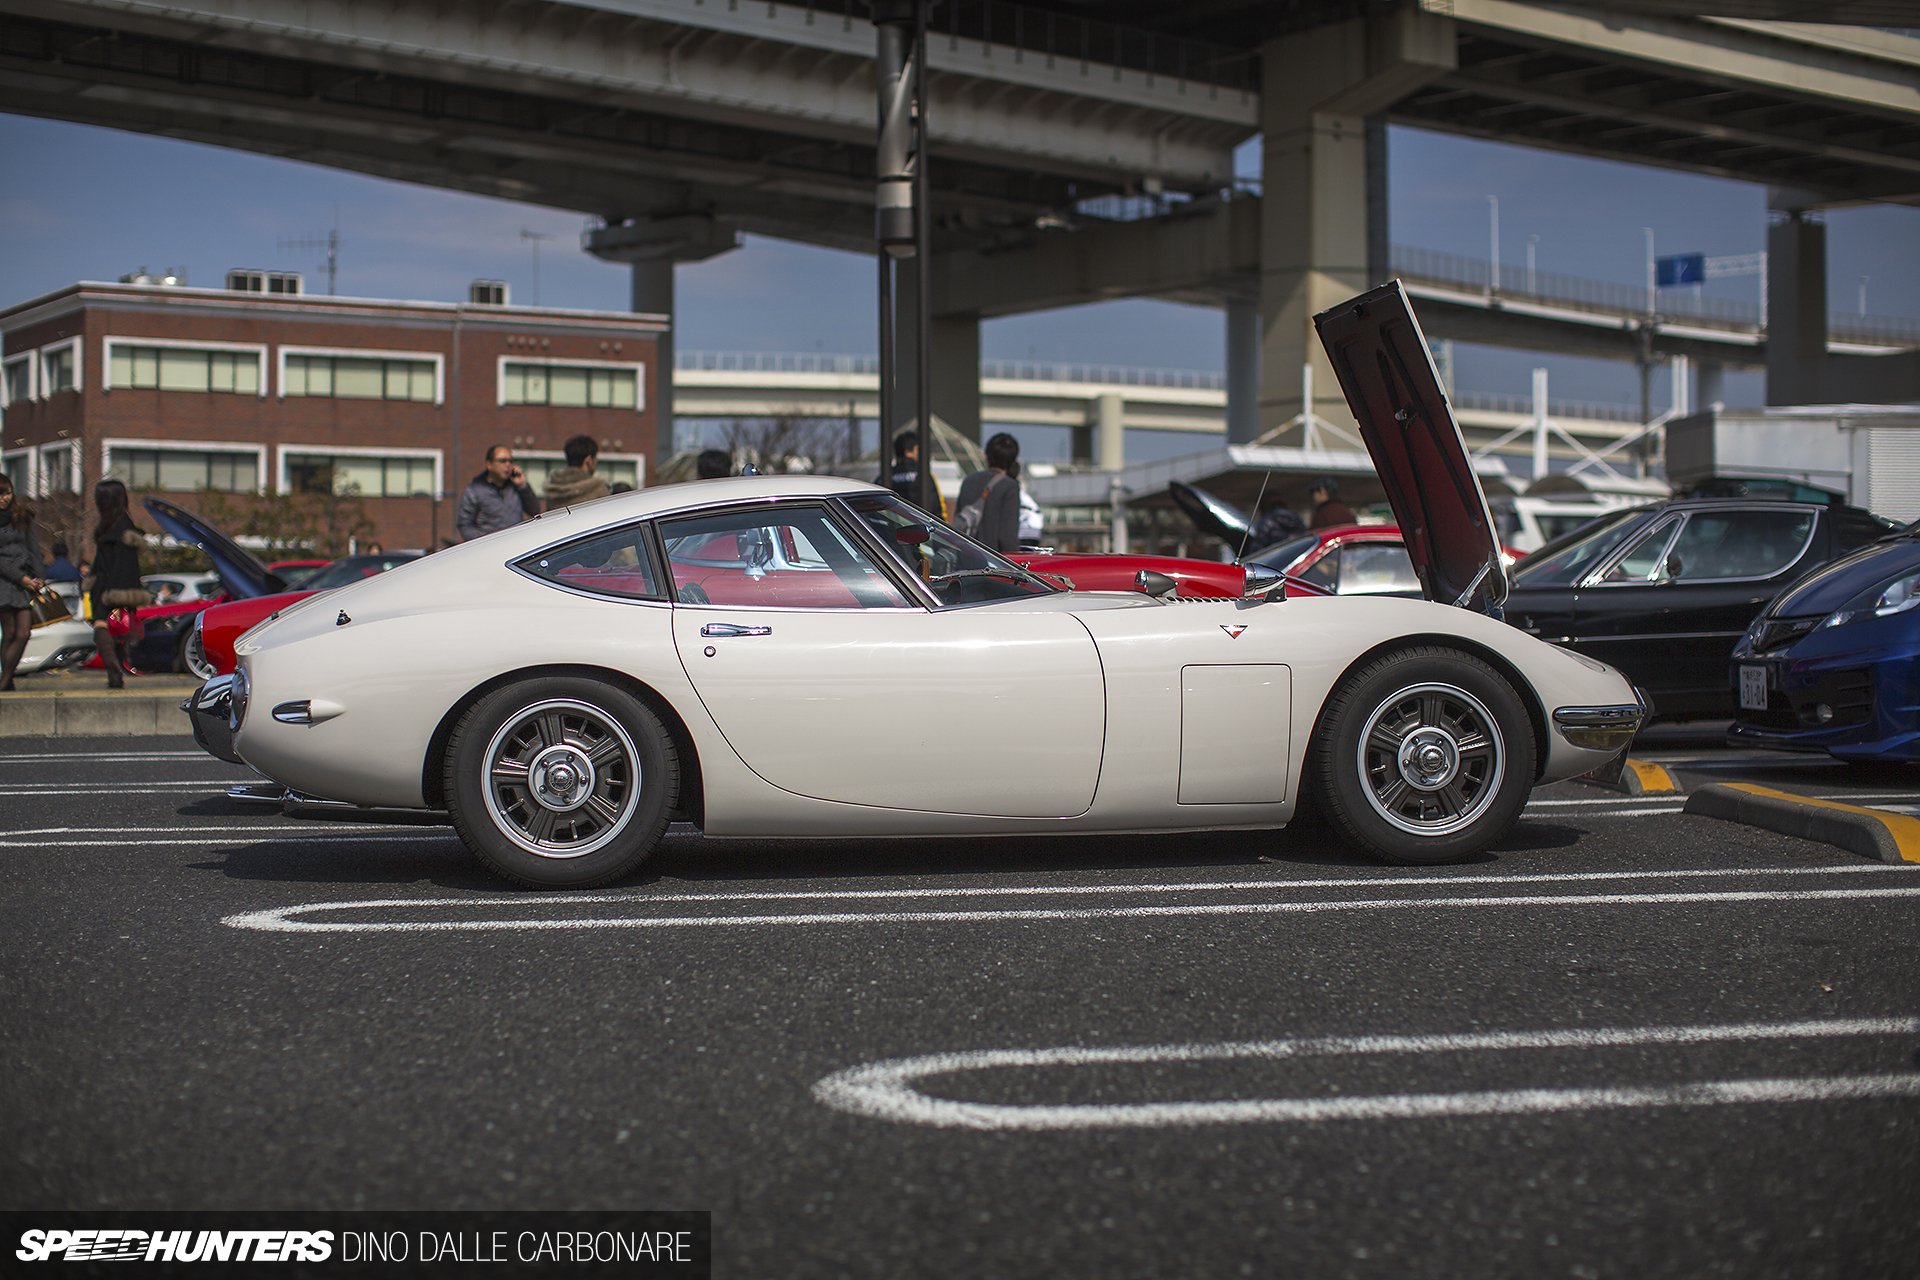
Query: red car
(209, 650)
(1351, 559)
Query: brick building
(245, 391)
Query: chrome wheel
(194, 655)
(562, 778)
(1431, 757)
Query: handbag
(48, 606)
(126, 597)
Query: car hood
(241, 573)
(1834, 586)
(1210, 514)
(1387, 373)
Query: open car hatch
(1387, 373)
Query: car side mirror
(1675, 567)
(1157, 585)
(912, 535)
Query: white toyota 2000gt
(799, 656)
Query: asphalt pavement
(1631, 1040)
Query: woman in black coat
(20, 577)
(116, 577)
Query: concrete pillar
(1243, 370)
(1111, 428)
(652, 292)
(1796, 307)
(1322, 221)
(955, 365)
(651, 246)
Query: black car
(1663, 592)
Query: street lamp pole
(1493, 242)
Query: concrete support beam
(1800, 370)
(955, 359)
(1110, 424)
(1194, 255)
(651, 247)
(1318, 208)
(1243, 370)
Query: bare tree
(789, 442)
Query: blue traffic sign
(1680, 268)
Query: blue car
(1833, 664)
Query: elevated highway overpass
(683, 123)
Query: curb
(1871, 833)
(144, 710)
(1638, 778)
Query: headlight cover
(1883, 601)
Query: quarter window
(615, 564)
(184, 369)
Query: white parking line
(31, 790)
(888, 1090)
(96, 757)
(286, 919)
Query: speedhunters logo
(367, 1244)
(174, 1246)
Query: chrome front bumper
(210, 711)
(1609, 729)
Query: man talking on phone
(498, 498)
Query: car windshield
(954, 569)
(1560, 566)
(351, 569)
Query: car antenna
(1258, 498)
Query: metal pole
(1493, 250)
(1652, 287)
(1532, 242)
(923, 251)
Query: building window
(59, 367)
(369, 475)
(19, 379)
(361, 378)
(60, 468)
(187, 470)
(578, 386)
(210, 369)
(17, 466)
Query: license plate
(1753, 688)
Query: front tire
(561, 782)
(1424, 756)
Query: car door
(861, 694)
(1667, 609)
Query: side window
(795, 558)
(607, 564)
(1739, 544)
(1325, 572)
(1374, 568)
(1645, 556)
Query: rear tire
(561, 782)
(1424, 756)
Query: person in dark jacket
(1328, 510)
(20, 578)
(1000, 526)
(116, 578)
(904, 478)
(713, 464)
(577, 481)
(498, 498)
(60, 568)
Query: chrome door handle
(730, 629)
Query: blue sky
(101, 203)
